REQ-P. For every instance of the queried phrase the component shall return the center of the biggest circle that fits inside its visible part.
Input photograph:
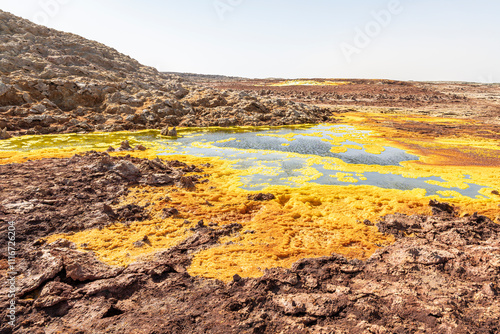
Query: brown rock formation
(54, 82)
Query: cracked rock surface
(440, 276)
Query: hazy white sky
(395, 39)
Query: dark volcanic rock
(73, 194)
(56, 82)
(442, 279)
(261, 197)
(440, 208)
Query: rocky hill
(57, 82)
(36, 52)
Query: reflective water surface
(270, 156)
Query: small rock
(108, 210)
(3, 88)
(164, 132)
(127, 170)
(261, 197)
(53, 293)
(139, 244)
(142, 242)
(186, 182)
(140, 148)
(169, 212)
(157, 163)
(63, 243)
(86, 267)
(173, 132)
(440, 208)
(317, 305)
(125, 146)
(178, 90)
(38, 109)
(158, 179)
(106, 161)
(489, 290)
(4, 134)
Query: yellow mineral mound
(308, 83)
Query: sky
(422, 40)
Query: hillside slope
(57, 82)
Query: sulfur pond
(327, 180)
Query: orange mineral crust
(438, 141)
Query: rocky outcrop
(261, 197)
(56, 82)
(169, 132)
(4, 134)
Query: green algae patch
(20, 149)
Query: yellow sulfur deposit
(298, 223)
(301, 222)
(307, 221)
(306, 83)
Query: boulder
(125, 146)
(127, 170)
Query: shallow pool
(284, 157)
(290, 156)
